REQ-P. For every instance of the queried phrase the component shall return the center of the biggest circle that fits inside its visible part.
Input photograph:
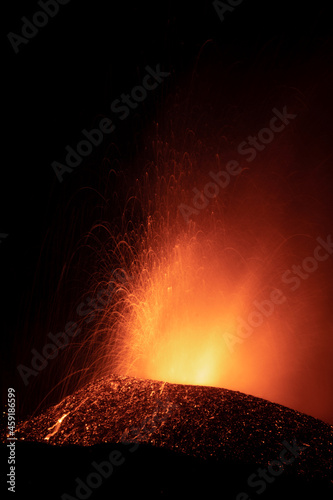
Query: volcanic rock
(174, 441)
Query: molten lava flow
(56, 427)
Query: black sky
(64, 79)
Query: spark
(194, 285)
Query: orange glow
(193, 286)
(178, 320)
(177, 327)
(56, 427)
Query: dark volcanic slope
(204, 422)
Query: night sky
(64, 80)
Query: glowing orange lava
(177, 326)
(206, 303)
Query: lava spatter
(199, 421)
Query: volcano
(125, 435)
